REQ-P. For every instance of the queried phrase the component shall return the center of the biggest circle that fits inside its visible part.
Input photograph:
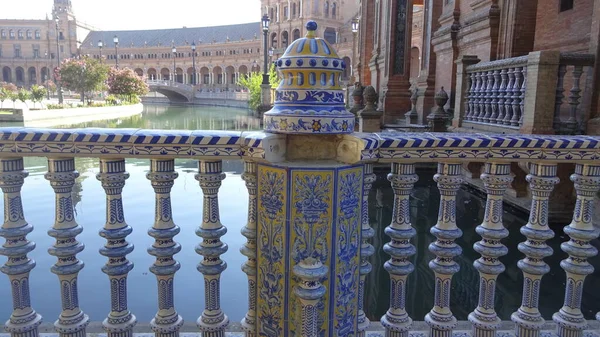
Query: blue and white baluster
(310, 292)
(440, 319)
(542, 178)
(396, 320)
(366, 249)
(569, 320)
(162, 175)
(249, 248)
(72, 322)
(496, 179)
(120, 321)
(24, 321)
(213, 321)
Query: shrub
(112, 100)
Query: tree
(82, 75)
(3, 96)
(253, 81)
(7, 91)
(50, 86)
(23, 95)
(38, 93)
(127, 84)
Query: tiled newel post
(309, 202)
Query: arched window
(272, 16)
(294, 10)
(29, 34)
(334, 10)
(11, 33)
(3, 33)
(326, 11)
(20, 34)
(37, 35)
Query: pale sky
(142, 14)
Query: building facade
(223, 54)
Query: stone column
(120, 321)
(162, 175)
(249, 248)
(426, 80)
(24, 321)
(538, 114)
(62, 174)
(396, 92)
(462, 87)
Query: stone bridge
(174, 91)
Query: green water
(138, 196)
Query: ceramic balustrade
(402, 151)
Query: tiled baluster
(495, 97)
(120, 321)
(522, 98)
(501, 97)
(62, 174)
(560, 89)
(489, 96)
(470, 97)
(508, 98)
(162, 175)
(366, 249)
(475, 96)
(396, 320)
(496, 179)
(516, 96)
(570, 321)
(24, 321)
(572, 124)
(440, 319)
(213, 321)
(310, 292)
(482, 96)
(249, 249)
(542, 178)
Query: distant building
(223, 53)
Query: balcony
(266, 246)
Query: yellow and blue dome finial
(310, 97)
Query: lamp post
(58, 86)
(194, 63)
(116, 41)
(47, 74)
(355, 26)
(100, 45)
(266, 90)
(174, 50)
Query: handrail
(520, 61)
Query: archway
(346, 73)
(205, 75)
(284, 39)
(274, 40)
(415, 62)
(179, 75)
(32, 75)
(329, 35)
(152, 74)
(45, 74)
(218, 76)
(6, 74)
(191, 76)
(165, 74)
(296, 34)
(20, 75)
(230, 72)
(139, 72)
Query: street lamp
(194, 63)
(47, 74)
(58, 85)
(174, 50)
(355, 23)
(265, 28)
(116, 41)
(100, 45)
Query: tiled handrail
(495, 92)
(402, 150)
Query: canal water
(138, 196)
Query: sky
(142, 14)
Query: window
(205, 78)
(286, 12)
(293, 10)
(334, 10)
(29, 35)
(36, 51)
(61, 36)
(20, 34)
(17, 50)
(37, 35)
(62, 49)
(566, 5)
(12, 34)
(326, 9)
(3, 34)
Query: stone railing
(224, 95)
(522, 94)
(267, 196)
(170, 84)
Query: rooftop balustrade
(401, 151)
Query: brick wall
(564, 31)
